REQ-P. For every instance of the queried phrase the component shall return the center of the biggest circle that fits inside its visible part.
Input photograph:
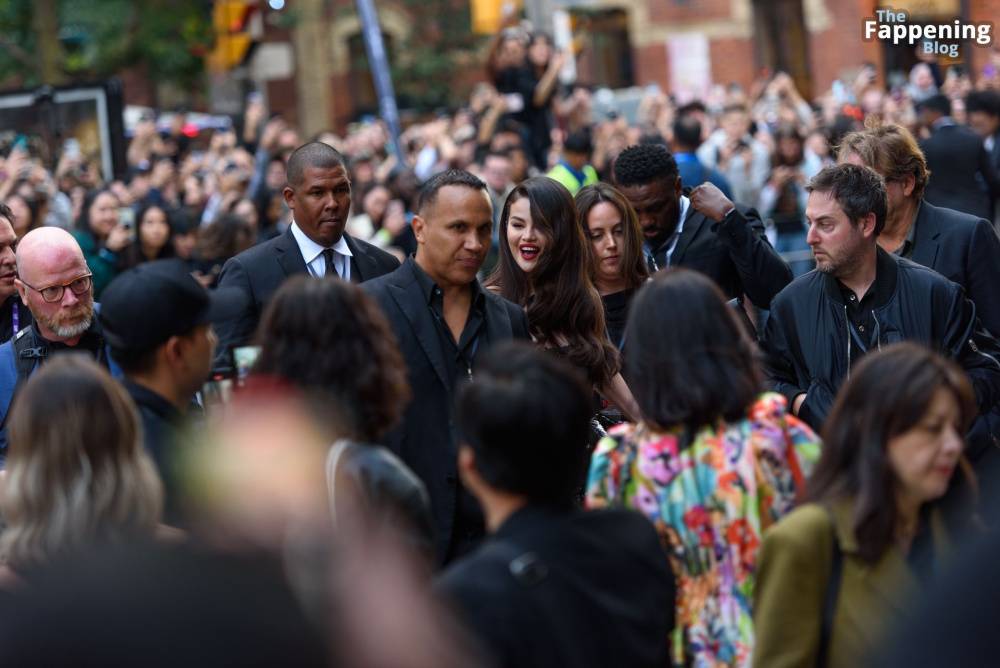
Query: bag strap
(332, 462)
(832, 594)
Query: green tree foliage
(98, 38)
(423, 70)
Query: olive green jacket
(793, 572)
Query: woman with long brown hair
(617, 264)
(544, 267)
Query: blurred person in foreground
(77, 474)
(840, 572)
(319, 194)
(701, 229)
(14, 314)
(713, 462)
(55, 283)
(358, 387)
(156, 319)
(444, 321)
(861, 298)
(552, 586)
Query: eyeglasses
(54, 293)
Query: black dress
(616, 307)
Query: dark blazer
(584, 589)
(962, 177)
(964, 249)
(260, 271)
(734, 253)
(425, 439)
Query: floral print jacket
(710, 502)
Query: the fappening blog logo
(893, 25)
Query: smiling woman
(544, 267)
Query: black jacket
(425, 439)
(260, 271)
(734, 253)
(963, 249)
(806, 339)
(386, 491)
(585, 589)
(962, 177)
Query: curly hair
(77, 472)
(645, 163)
(329, 339)
(564, 309)
(889, 149)
(858, 190)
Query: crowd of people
(715, 386)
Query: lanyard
(15, 318)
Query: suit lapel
(362, 265)
(925, 236)
(498, 326)
(411, 302)
(289, 256)
(692, 224)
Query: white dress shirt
(312, 253)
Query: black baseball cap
(146, 305)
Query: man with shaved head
(54, 281)
(318, 191)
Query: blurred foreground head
(76, 471)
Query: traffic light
(231, 21)
(488, 15)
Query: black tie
(331, 269)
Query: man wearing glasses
(53, 280)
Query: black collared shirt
(860, 312)
(906, 250)
(459, 357)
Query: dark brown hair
(563, 307)
(887, 395)
(696, 364)
(633, 266)
(329, 339)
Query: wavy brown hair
(564, 308)
(887, 395)
(329, 339)
(77, 472)
(889, 149)
(633, 267)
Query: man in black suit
(983, 109)
(958, 246)
(319, 194)
(962, 177)
(444, 320)
(552, 586)
(704, 230)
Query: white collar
(311, 250)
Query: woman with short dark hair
(617, 264)
(836, 573)
(329, 340)
(712, 463)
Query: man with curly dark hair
(444, 321)
(700, 228)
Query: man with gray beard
(54, 282)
